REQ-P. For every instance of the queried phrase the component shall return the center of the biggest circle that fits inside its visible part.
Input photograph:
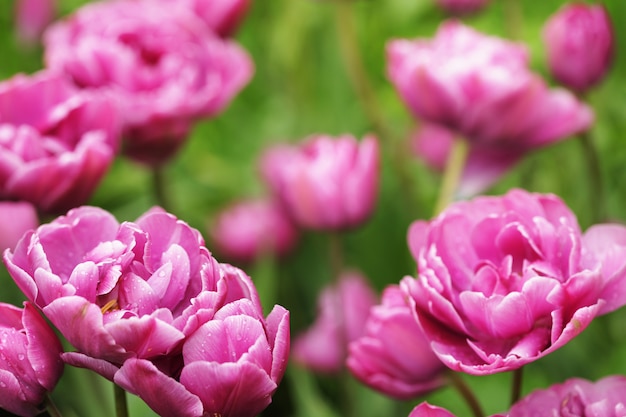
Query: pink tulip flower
(31, 19)
(16, 218)
(427, 410)
(480, 87)
(326, 183)
(579, 43)
(343, 310)
(504, 281)
(393, 356)
(139, 301)
(575, 397)
(56, 142)
(163, 65)
(30, 360)
(250, 229)
(221, 16)
(484, 166)
(461, 6)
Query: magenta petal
(99, 366)
(165, 395)
(278, 332)
(229, 389)
(12, 397)
(427, 410)
(145, 337)
(81, 323)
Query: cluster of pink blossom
(501, 281)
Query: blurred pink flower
(575, 397)
(579, 44)
(480, 87)
(131, 297)
(461, 6)
(342, 312)
(32, 17)
(427, 410)
(16, 218)
(30, 362)
(506, 280)
(56, 142)
(485, 165)
(163, 65)
(248, 229)
(393, 356)
(326, 183)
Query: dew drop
(2, 384)
(20, 357)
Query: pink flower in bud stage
(32, 17)
(506, 280)
(16, 218)
(326, 183)
(164, 66)
(579, 43)
(342, 313)
(30, 359)
(575, 397)
(249, 229)
(56, 143)
(461, 6)
(427, 410)
(393, 356)
(139, 301)
(485, 164)
(480, 87)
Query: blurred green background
(301, 87)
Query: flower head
(163, 65)
(30, 359)
(56, 143)
(326, 183)
(580, 46)
(503, 281)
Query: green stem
(598, 208)
(513, 18)
(335, 255)
(159, 187)
(51, 408)
(468, 395)
(452, 174)
(121, 405)
(516, 385)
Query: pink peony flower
(506, 280)
(461, 6)
(248, 229)
(427, 410)
(139, 301)
(480, 87)
(579, 44)
(163, 65)
(16, 218)
(575, 397)
(326, 183)
(393, 356)
(32, 17)
(56, 143)
(343, 310)
(30, 359)
(485, 164)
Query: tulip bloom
(163, 65)
(506, 280)
(461, 6)
(56, 143)
(221, 16)
(30, 359)
(16, 218)
(579, 43)
(326, 183)
(131, 297)
(480, 87)
(575, 397)
(249, 229)
(393, 356)
(342, 314)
